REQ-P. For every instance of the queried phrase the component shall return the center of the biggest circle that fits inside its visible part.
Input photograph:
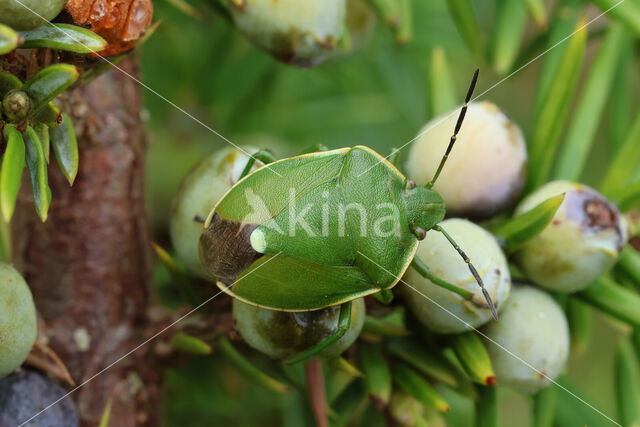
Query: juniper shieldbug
(259, 250)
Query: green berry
(16, 106)
(29, 14)
(582, 241)
(441, 310)
(18, 324)
(485, 171)
(533, 328)
(298, 32)
(199, 192)
(281, 334)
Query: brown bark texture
(88, 265)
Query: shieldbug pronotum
(259, 251)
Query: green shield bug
(323, 229)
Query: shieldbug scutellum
(249, 246)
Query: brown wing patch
(225, 248)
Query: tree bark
(88, 265)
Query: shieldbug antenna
(452, 141)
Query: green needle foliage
(377, 373)
(340, 375)
(511, 19)
(630, 262)
(13, 162)
(518, 230)
(537, 10)
(416, 386)
(9, 39)
(613, 299)
(191, 345)
(40, 125)
(49, 83)
(627, 12)
(625, 163)
(556, 101)
(580, 136)
(65, 147)
(30, 133)
(464, 17)
(442, 94)
(565, 18)
(248, 368)
(37, 166)
(66, 37)
(627, 196)
(621, 96)
(487, 409)
(580, 325)
(628, 383)
(106, 415)
(474, 358)
(545, 407)
(423, 359)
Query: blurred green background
(376, 97)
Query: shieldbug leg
(385, 296)
(265, 156)
(425, 272)
(473, 270)
(344, 321)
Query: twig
(316, 391)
